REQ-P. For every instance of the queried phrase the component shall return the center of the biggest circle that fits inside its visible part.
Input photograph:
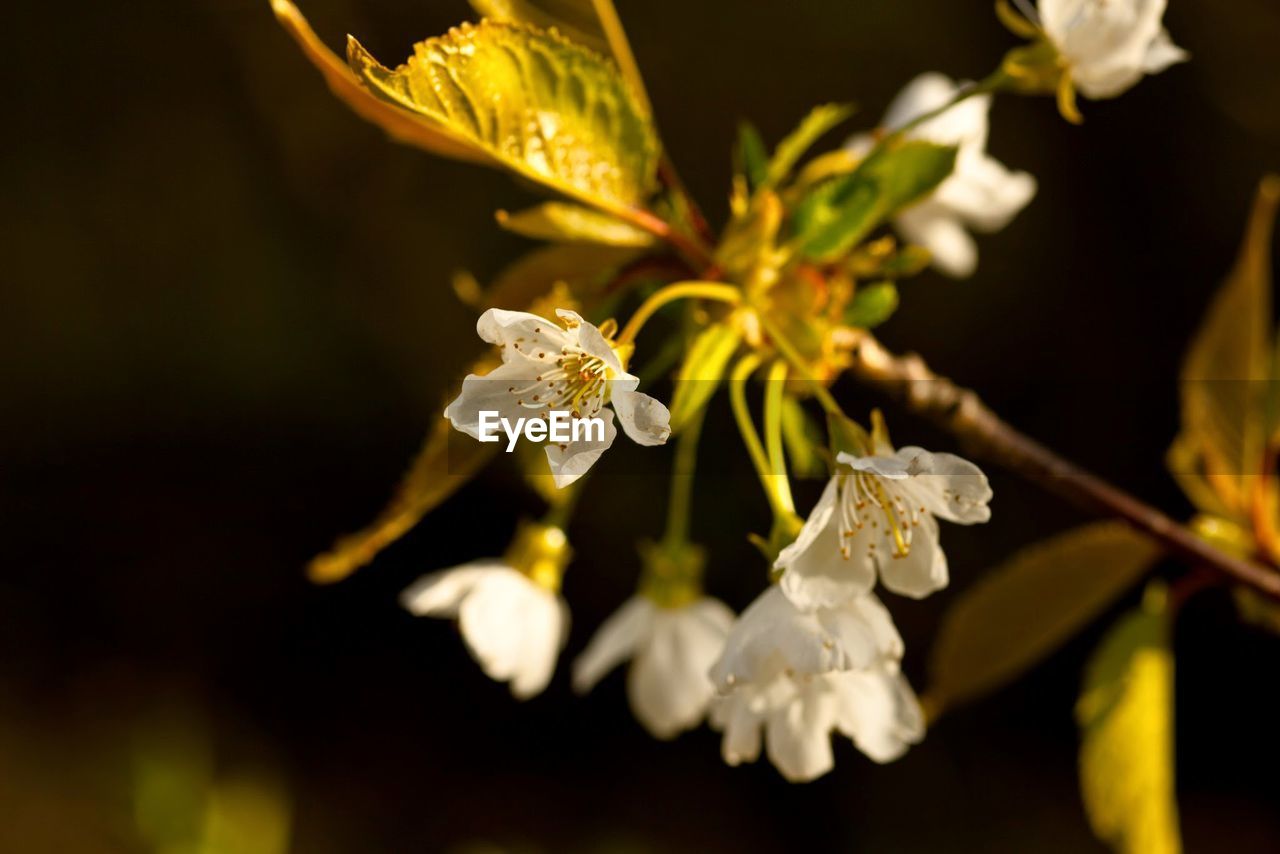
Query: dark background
(227, 323)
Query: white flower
(800, 675)
(671, 649)
(1109, 44)
(512, 617)
(876, 515)
(980, 194)
(570, 368)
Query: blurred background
(228, 323)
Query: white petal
(924, 568)
(571, 460)
(878, 711)
(815, 572)
(614, 642)
(891, 468)
(643, 418)
(590, 340)
(439, 594)
(935, 228)
(983, 194)
(864, 630)
(514, 629)
(668, 684)
(1162, 53)
(496, 391)
(527, 334)
(964, 125)
(947, 486)
(798, 736)
(741, 727)
(771, 637)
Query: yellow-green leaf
(872, 304)
(446, 461)
(1225, 375)
(1021, 611)
(703, 368)
(563, 222)
(1126, 720)
(549, 110)
(793, 146)
(575, 19)
(400, 125)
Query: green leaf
(872, 305)
(794, 145)
(702, 370)
(803, 439)
(1220, 450)
(1126, 720)
(576, 20)
(753, 162)
(845, 434)
(564, 222)
(838, 213)
(1020, 612)
(534, 102)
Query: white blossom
(569, 368)
(1109, 44)
(980, 194)
(876, 516)
(796, 676)
(512, 618)
(670, 649)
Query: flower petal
(772, 636)
(798, 735)
(571, 460)
(937, 229)
(923, 570)
(878, 711)
(440, 593)
(514, 630)
(947, 486)
(668, 684)
(614, 642)
(643, 418)
(590, 339)
(741, 727)
(520, 334)
(887, 467)
(497, 391)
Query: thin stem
(680, 502)
(742, 414)
(669, 293)
(566, 501)
(695, 253)
(789, 352)
(984, 434)
(774, 387)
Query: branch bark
(984, 434)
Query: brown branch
(984, 434)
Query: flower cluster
(809, 263)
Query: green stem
(774, 387)
(566, 501)
(742, 414)
(789, 352)
(680, 502)
(678, 290)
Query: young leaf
(794, 145)
(534, 102)
(399, 125)
(872, 305)
(442, 466)
(803, 439)
(564, 222)
(835, 215)
(1126, 720)
(703, 368)
(575, 19)
(1223, 379)
(1023, 610)
(753, 161)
